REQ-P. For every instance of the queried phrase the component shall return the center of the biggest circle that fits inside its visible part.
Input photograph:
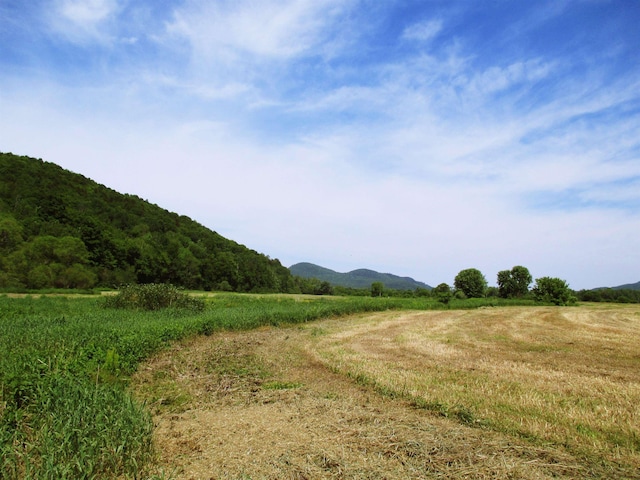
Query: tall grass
(64, 364)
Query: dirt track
(259, 405)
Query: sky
(414, 137)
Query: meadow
(566, 378)
(540, 376)
(65, 363)
(515, 392)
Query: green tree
(376, 289)
(514, 283)
(10, 232)
(70, 250)
(325, 288)
(471, 282)
(553, 290)
(443, 293)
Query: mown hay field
(509, 392)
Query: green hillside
(361, 278)
(59, 229)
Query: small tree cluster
(312, 286)
(514, 283)
(376, 289)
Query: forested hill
(60, 229)
(361, 278)
(628, 286)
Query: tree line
(613, 295)
(514, 283)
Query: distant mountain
(628, 286)
(361, 278)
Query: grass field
(65, 364)
(566, 377)
(535, 392)
(303, 387)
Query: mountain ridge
(359, 278)
(626, 286)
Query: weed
(277, 385)
(155, 296)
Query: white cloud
(247, 49)
(496, 78)
(422, 32)
(271, 29)
(87, 13)
(81, 21)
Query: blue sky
(412, 137)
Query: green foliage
(553, 290)
(471, 282)
(312, 286)
(10, 232)
(623, 295)
(63, 410)
(74, 429)
(514, 283)
(59, 229)
(376, 289)
(443, 293)
(153, 297)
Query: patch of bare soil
(256, 405)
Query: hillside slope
(361, 278)
(60, 229)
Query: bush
(553, 290)
(153, 296)
(443, 293)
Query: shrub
(553, 290)
(153, 296)
(443, 293)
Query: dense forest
(59, 229)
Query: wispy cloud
(229, 32)
(422, 32)
(81, 21)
